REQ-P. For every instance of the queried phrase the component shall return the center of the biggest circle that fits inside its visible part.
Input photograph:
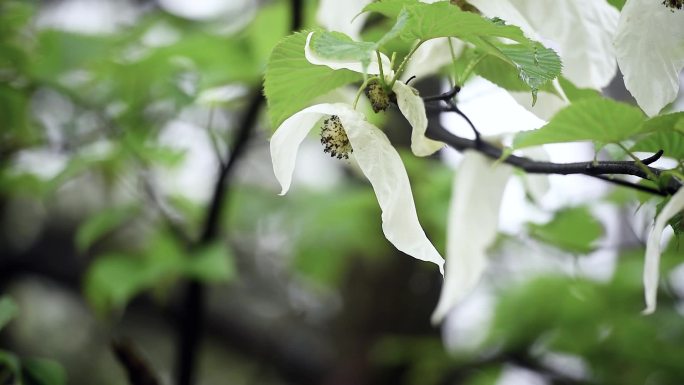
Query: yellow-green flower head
(334, 138)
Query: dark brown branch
(447, 96)
(598, 169)
(453, 108)
(192, 317)
(193, 306)
(604, 170)
(138, 370)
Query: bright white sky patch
(206, 9)
(194, 177)
(87, 16)
(492, 110)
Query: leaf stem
(360, 91)
(382, 74)
(471, 66)
(402, 66)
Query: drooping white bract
(650, 52)
(378, 161)
(472, 226)
(409, 102)
(582, 32)
(652, 262)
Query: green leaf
(573, 229)
(112, 280)
(501, 73)
(8, 310)
(214, 263)
(338, 46)
(665, 122)
(397, 29)
(669, 140)
(17, 130)
(289, 74)
(102, 223)
(389, 8)
(598, 119)
(536, 64)
(442, 19)
(574, 93)
(38, 371)
(617, 3)
(10, 367)
(507, 76)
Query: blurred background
(117, 264)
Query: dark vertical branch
(297, 14)
(193, 303)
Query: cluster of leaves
(25, 371)
(288, 71)
(132, 89)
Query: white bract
(650, 52)
(652, 262)
(342, 16)
(378, 161)
(472, 226)
(582, 32)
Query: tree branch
(193, 305)
(604, 170)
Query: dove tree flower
(347, 134)
(583, 31)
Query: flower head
(334, 139)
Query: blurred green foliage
(574, 230)
(134, 89)
(114, 279)
(25, 371)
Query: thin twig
(445, 96)
(454, 108)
